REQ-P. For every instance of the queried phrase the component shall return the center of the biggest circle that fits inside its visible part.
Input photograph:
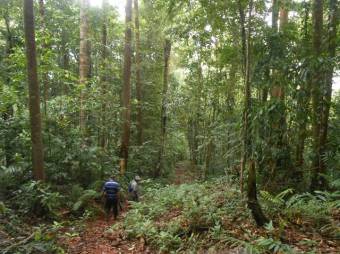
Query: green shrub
(37, 198)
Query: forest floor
(99, 237)
(236, 232)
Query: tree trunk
(246, 106)
(103, 133)
(167, 51)
(84, 58)
(252, 201)
(275, 14)
(44, 48)
(138, 78)
(303, 102)
(34, 93)
(332, 31)
(253, 204)
(279, 160)
(8, 113)
(317, 181)
(124, 149)
(283, 15)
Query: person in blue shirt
(110, 192)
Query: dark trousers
(112, 204)
(135, 196)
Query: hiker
(133, 188)
(110, 192)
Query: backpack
(130, 188)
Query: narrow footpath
(99, 237)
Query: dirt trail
(98, 237)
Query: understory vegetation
(212, 216)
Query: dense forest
(228, 111)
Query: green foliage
(85, 200)
(37, 198)
(169, 218)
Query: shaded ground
(98, 237)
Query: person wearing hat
(133, 188)
(111, 191)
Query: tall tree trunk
(34, 93)
(103, 133)
(283, 15)
(138, 78)
(167, 51)
(332, 31)
(317, 181)
(124, 149)
(84, 58)
(252, 201)
(275, 15)
(8, 113)
(303, 102)
(44, 48)
(279, 160)
(244, 67)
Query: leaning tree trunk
(34, 92)
(167, 51)
(124, 149)
(84, 58)
(138, 78)
(317, 181)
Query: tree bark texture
(124, 149)
(34, 92)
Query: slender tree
(244, 67)
(84, 58)
(317, 181)
(124, 149)
(103, 135)
(327, 94)
(167, 51)
(303, 101)
(138, 77)
(34, 92)
(8, 113)
(247, 156)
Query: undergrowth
(212, 216)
